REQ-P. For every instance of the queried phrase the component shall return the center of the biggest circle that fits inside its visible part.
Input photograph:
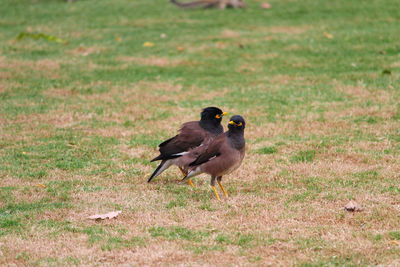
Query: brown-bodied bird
(223, 155)
(192, 135)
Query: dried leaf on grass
(109, 215)
(118, 38)
(353, 206)
(266, 5)
(328, 35)
(220, 45)
(148, 44)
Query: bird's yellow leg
(215, 192)
(184, 174)
(223, 189)
(190, 183)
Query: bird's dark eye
(218, 116)
(239, 124)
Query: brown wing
(213, 150)
(191, 135)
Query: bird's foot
(190, 183)
(223, 189)
(215, 192)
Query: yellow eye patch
(218, 116)
(234, 123)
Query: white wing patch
(185, 152)
(180, 154)
(212, 158)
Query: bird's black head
(212, 114)
(236, 123)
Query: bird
(193, 136)
(222, 156)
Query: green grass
(394, 235)
(83, 108)
(267, 150)
(177, 233)
(304, 156)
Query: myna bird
(191, 135)
(223, 155)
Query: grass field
(317, 82)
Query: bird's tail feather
(192, 173)
(162, 167)
(163, 157)
(156, 158)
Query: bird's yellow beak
(232, 122)
(219, 116)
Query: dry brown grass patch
(85, 51)
(360, 93)
(153, 61)
(284, 29)
(230, 34)
(47, 67)
(151, 21)
(130, 101)
(56, 118)
(395, 65)
(249, 67)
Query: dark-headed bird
(192, 135)
(223, 155)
